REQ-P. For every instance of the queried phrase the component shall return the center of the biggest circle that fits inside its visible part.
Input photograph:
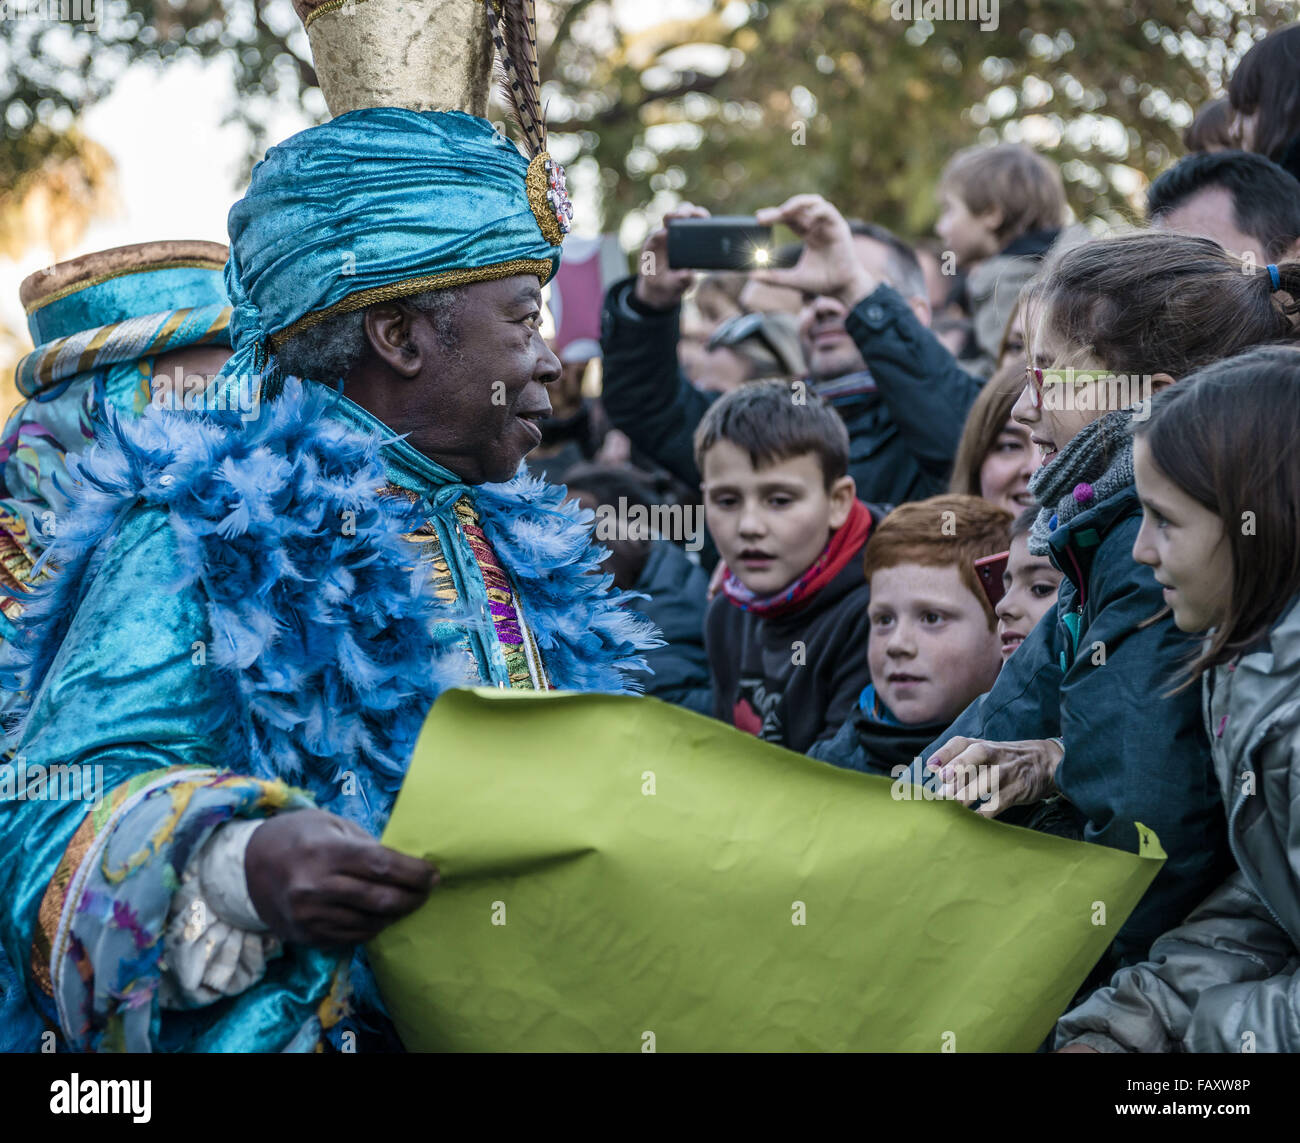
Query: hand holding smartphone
(735, 242)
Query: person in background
(657, 567)
(746, 347)
(1029, 587)
(154, 311)
(900, 392)
(1265, 95)
(787, 634)
(1003, 207)
(1226, 979)
(957, 334)
(715, 299)
(174, 292)
(995, 458)
(934, 646)
(1211, 129)
(1247, 204)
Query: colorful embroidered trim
(519, 648)
(516, 645)
(141, 336)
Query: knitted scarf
(1095, 464)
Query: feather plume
(514, 33)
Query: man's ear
(841, 495)
(1159, 381)
(390, 336)
(921, 307)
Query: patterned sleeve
(120, 775)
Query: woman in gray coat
(1220, 495)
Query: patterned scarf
(136, 337)
(1095, 464)
(840, 548)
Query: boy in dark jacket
(787, 634)
(934, 644)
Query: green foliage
(744, 103)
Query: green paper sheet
(623, 875)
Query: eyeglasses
(736, 329)
(1036, 379)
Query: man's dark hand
(317, 879)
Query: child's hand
(1006, 773)
(828, 265)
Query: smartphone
(724, 243)
(989, 571)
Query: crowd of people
(967, 504)
(1010, 515)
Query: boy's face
(970, 237)
(770, 523)
(931, 652)
(1030, 585)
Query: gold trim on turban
(449, 279)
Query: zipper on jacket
(1250, 881)
(1240, 799)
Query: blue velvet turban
(377, 204)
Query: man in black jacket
(901, 394)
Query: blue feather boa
(330, 637)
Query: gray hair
(902, 267)
(331, 349)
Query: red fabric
(840, 548)
(743, 717)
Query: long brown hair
(1158, 302)
(986, 419)
(1268, 80)
(1226, 436)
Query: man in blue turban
(104, 326)
(253, 614)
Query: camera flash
(760, 256)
